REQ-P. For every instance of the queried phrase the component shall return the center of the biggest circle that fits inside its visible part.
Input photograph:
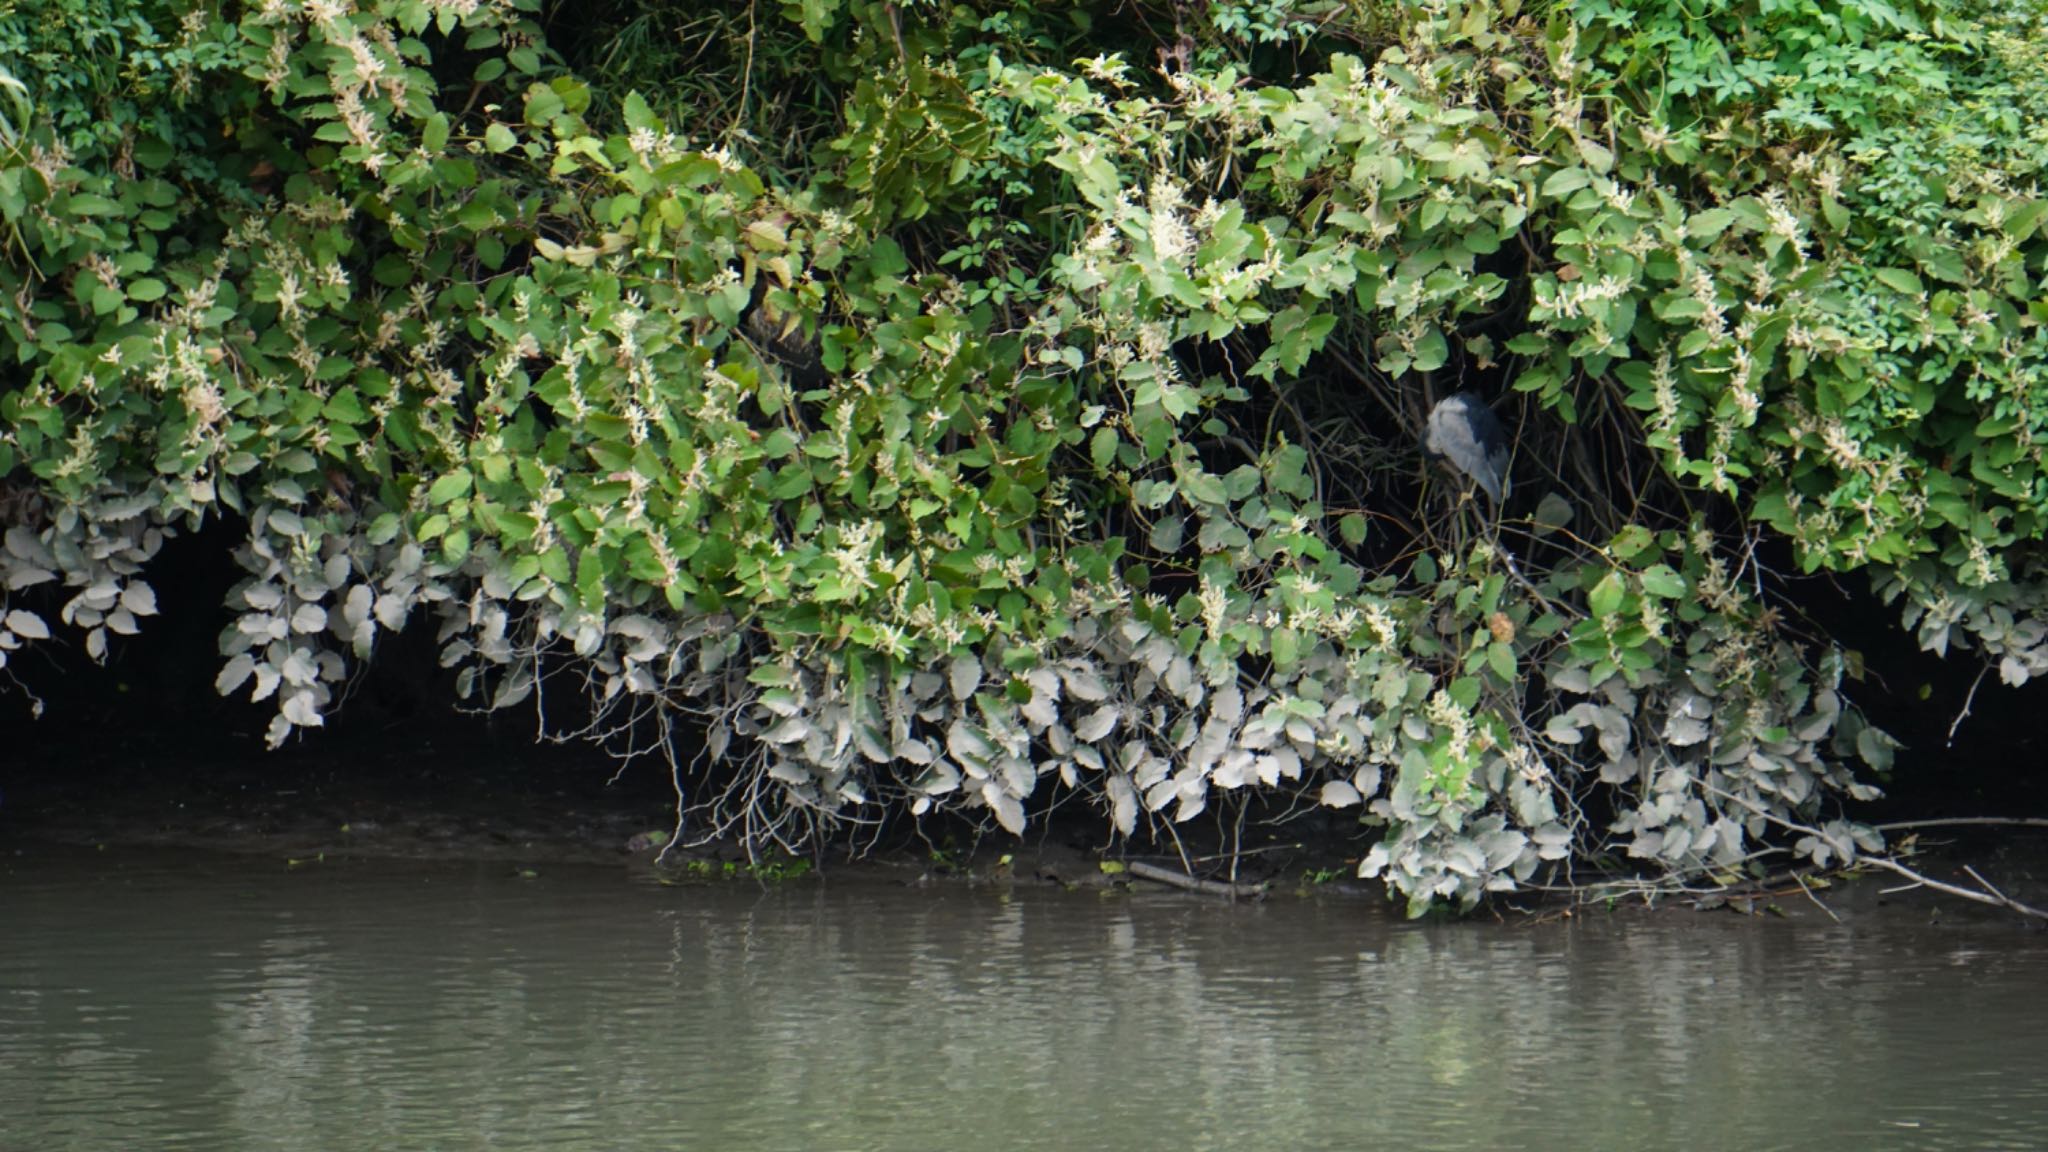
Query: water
(193, 1002)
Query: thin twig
(1213, 857)
(1988, 886)
(1180, 849)
(1815, 899)
(747, 74)
(1967, 702)
(1236, 845)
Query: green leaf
(450, 487)
(2021, 221)
(434, 136)
(1286, 647)
(1708, 224)
(1900, 280)
(554, 564)
(1566, 181)
(638, 114)
(1102, 448)
(1552, 513)
(153, 153)
(1167, 534)
(1632, 542)
(1431, 352)
(1501, 658)
(1661, 580)
(1834, 213)
(1605, 598)
(1204, 487)
(344, 407)
(590, 581)
(1465, 690)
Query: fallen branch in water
(1989, 894)
(1964, 822)
(1185, 882)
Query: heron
(1465, 432)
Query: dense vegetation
(875, 408)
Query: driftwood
(1185, 882)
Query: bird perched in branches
(1465, 432)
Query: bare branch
(1967, 702)
(1182, 880)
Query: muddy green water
(193, 1002)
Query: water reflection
(215, 1004)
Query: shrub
(957, 424)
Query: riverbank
(471, 793)
(456, 795)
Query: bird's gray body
(1464, 431)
